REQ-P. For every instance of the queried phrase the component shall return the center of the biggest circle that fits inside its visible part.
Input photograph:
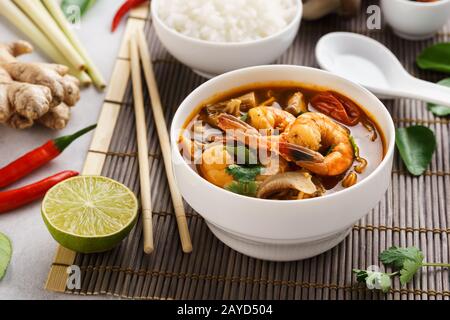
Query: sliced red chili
(353, 111)
(337, 107)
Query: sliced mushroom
(248, 101)
(211, 112)
(300, 181)
(231, 107)
(316, 9)
(297, 104)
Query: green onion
(20, 20)
(40, 16)
(59, 17)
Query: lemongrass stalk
(55, 10)
(19, 20)
(83, 77)
(37, 12)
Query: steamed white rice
(227, 20)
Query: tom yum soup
(282, 142)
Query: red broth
(365, 131)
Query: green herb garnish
(405, 261)
(245, 188)
(355, 147)
(416, 145)
(396, 257)
(436, 57)
(5, 254)
(244, 179)
(439, 110)
(244, 173)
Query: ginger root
(34, 92)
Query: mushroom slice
(297, 104)
(248, 101)
(231, 107)
(211, 112)
(293, 180)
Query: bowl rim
(388, 132)
(296, 20)
(423, 4)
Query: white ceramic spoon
(366, 61)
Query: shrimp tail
(228, 122)
(296, 153)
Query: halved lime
(89, 213)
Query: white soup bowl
(274, 229)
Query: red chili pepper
(123, 10)
(13, 199)
(337, 107)
(37, 158)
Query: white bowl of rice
(216, 36)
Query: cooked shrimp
(317, 131)
(241, 131)
(301, 141)
(215, 160)
(269, 118)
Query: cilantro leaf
(410, 268)
(397, 257)
(361, 275)
(245, 188)
(407, 260)
(243, 174)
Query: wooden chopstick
(141, 133)
(163, 135)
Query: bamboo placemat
(414, 211)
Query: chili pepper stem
(63, 142)
(37, 158)
(123, 10)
